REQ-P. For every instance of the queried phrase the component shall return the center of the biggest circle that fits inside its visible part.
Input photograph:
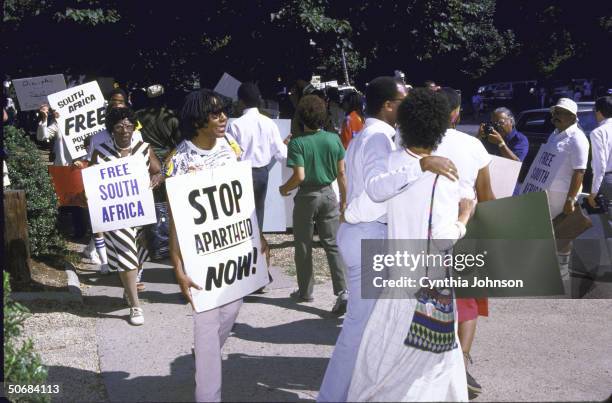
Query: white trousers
(337, 379)
(210, 330)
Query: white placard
(504, 174)
(118, 194)
(81, 115)
(32, 91)
(228, 86)
(214, 213)
(543, 170)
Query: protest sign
(68, 184)
(214, 213)
(118, 194)
(81, 115)
(228, 86)
(543, 170)
(516, 235)
(504, 173)
(32, 91)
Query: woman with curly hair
(398, 360)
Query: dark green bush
(22, 366)
(28, 172)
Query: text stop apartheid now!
(214, 215)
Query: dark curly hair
(312, 111)
(116, 115)
(196, 111)
(423, 118)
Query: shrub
(28, 172)
(22, 366)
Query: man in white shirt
(570, 142)
(366, 158)
(601, 142)
(260, 140)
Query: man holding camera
(500, 137)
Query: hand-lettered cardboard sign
(543, 170)
(214, 214)
(119, 195)
(81, 115)
(32, 91)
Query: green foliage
(22, 366)
(28, 172)
(86, 12)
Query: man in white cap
(572, 146)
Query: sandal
(140, 287)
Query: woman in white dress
(387, 369)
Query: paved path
(528, 350)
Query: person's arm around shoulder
(381, 183)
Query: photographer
(500, 137)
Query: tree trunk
(16, 243)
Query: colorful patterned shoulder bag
(433, 324)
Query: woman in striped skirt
(126, 247)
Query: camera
(489, 127)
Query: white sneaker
(95, 259)
(136, 316)
(105, 269)
(89, 249)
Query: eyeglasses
(216, 115)
(124, 127)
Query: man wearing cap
(572, 146)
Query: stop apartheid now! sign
(214, 216)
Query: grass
(282, 253)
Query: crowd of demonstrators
(406, 173)
(317, 159)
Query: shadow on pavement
(245, 378)
(271, 379)
(304, 331)
(290, 303)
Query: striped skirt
(126, 248)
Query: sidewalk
(528, 350)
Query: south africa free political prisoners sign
(118, 194)
(218, 235)
(81, 115)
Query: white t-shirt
(187, 157)
(469, 156)
(573, 147)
